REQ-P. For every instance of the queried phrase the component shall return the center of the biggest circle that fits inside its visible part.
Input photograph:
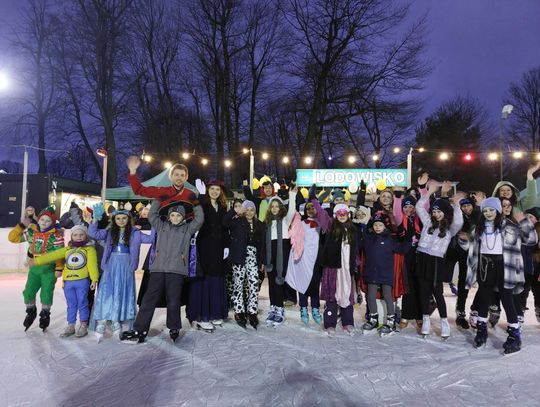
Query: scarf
(343, 277)
(279, 258)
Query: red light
(468, 157)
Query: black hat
(408, 200)
(443, 205)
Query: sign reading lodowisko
(395, 177)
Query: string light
(245, 150)
(421, 149)
(204, 161)
(185, 156)
(265, 156)
(351, 159)
(167, 164)
(308, 160)
(396, 150)
(538, 156)
(468, 157)
(444, 156)
(228, 163)
(285, 160)
(493, 156)
(517, 154)
(375, 157)
(147, 158)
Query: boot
(205, 326)
(453, 288)
(426, 325)
(494, 315)
(315, 313)
(240, 319)
(371, 323)
(44, 319)
(304, 316)
(521, 322)
(403, 323)
(31, 314)
(349, 329)
(116, 329)
(83, 330)
(481, 334)
(445, 328)
(271, 315)
(253, 320)
(473, 319)
(70, 330)
(133, 336)
(390, 327)
(100, 331)
(174, 333)
(280, 316)
(461, 321)
(513, 342)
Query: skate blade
(368, 331)
(510, 353)
(387, 335)
(445, 338)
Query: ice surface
(288, 366)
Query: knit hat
(81, 228)
(341, 209)
(408, 200)
(381, 217)
(442, 205)
(367, 214)
(338, 194)
(534, 212)
(466, 201)
(178, 209)
(491, 202)
(248, 204)
(49, 211)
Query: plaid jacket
(514, 235)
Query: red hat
(49, 211)
(215, 182)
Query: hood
(501, 183)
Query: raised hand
(532, 170)
(98, 211)
(423, 179)
(433, 187)
(133, 162)
(479, 197)
(446, 187)
(458, 197)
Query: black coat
(239, 230)
(380, 249)
(331, 252)
(212, 239)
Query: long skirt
(207, 299)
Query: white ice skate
(426, 326)
(205, 326)
(445, 329)
(217, 322)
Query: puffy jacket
(81, 262)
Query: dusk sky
(477, 46)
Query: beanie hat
(178, 209)
(81, 228)
(381, 217)
(248, 204)
(341, 209)
(491, 202)
(338, 194)
(367, 214)
(466, 201)
(442, 205)
(408, 200)
(49, 211)
(534, 212)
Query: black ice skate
(371, 324)
(241, 319)
(31, 314)
(389, 328)
(133, 336)
(253, 320)
(494, 315)
(44, 319)
(481, 334)
(513, 342)
(174, 333)
(461, 320)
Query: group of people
(310, 247)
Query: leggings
(387, 295)
(427, 288)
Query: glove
(98, 211)
(363, 185)
(201, 187)
(225, 253)
(312, 193)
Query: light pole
(103, 153)
(409, 168)
(251, 168)
(506, 110)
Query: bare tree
(525, 119)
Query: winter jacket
(239, 231)
(522, 203)
(514, 235)
(261, 203)
(212, 239)
(81, 262)
(135, 240)
(432, 244)
(173, 241)
(166, 195)
(380, 249)
(331, 252)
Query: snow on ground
(288, 366)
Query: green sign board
(395, 177)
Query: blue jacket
(379, 250)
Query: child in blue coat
(380, 246)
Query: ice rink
(292, 365)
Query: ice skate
(205, 326)
(271, 315)
(330, 332)
(445, 329)
(426, 326)
(241, 319)
(494, 315)
(521, 322)
(70, 330)
(473, 319)
(100, 331)
(371, 324)
(280, 316)
(403, 323)
(453, 288)
(82, 331)
(315, 313)
(253, 320)
(31, 314)
(217, 322)
(44, 319)
(116, 329)
(461, 321)
(389, 328)
(304, 316)
(481, 334)
(349, 330)
(513, 342)
(133, 337)
(174, 333)
(537, 312)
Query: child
(438, 228)
(115, 299)
(278, 247)
(380, 247)
(339, 259)
(532, 272)
(80, 268)
(42, 238)
(495, 262)
(247, 258)
(168, 271)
